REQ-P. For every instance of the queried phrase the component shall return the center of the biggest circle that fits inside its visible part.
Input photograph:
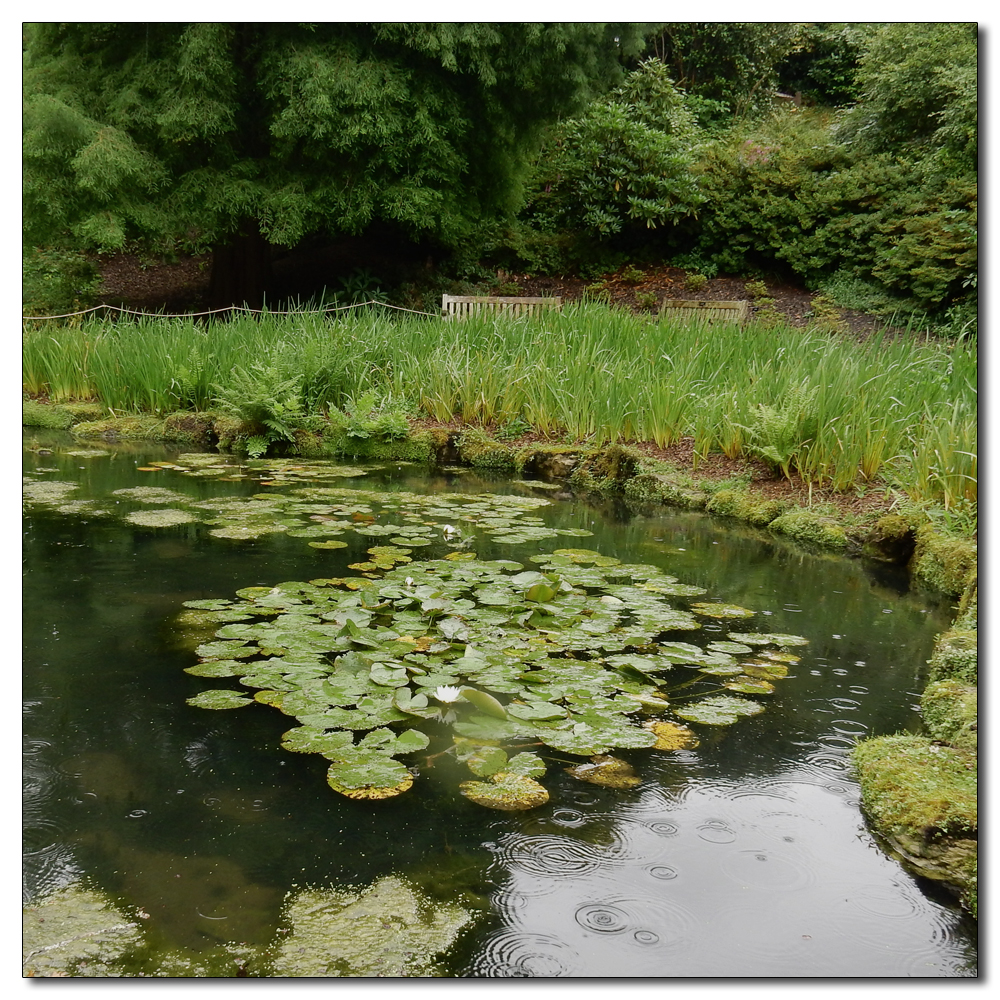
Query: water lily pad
(765, 670)
(508, 792)
(217, 668)
(762, 638)
(672, 736)
(721, 610)
(749, 685)
(165, 518)
(387, 930)
(719, 710)
(247, 532)
(219, 699)
(609, 772)
(332, 543)
(151, 494)
(733, 648)
(486, 761)
(485, 702)
(46, 492)
(310, 739)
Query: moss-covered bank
(919, 792)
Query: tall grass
(836, 412)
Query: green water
(200, 823)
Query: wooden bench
(461, 306)
(706, 310)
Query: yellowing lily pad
(507, 792)
(672, 736)
(610, 772)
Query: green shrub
(625, 163)
(56, 281)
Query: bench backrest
(460, 306)
(706, 310)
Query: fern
(268, 402)
(780, 433)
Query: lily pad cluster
(506, 667)
(321, 515)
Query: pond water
(744, 855)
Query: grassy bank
(833, 411)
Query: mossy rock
(950, 710)
(943, 562)
(956, 656)
(227, 430)
(549, 461)
(968, 608)
(655, 487)
(309, 444)
(891, 540)
(84, 411)
(607, 469)
(417, 447)
(130, 428)
(188, 428)
(755, 510)
(479, 450)
(922, 798)
(48, 415)
(815, 529)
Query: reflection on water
(747, 856)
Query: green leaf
(310, 739)
(485, 702)
(487, 761)
(220, 698)
(510, 793)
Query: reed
(833, 411)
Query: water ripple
(603, 918)
(555, 856)
(518, 955)
(716, 831)
(764, 869)
(48, 869)
(641, 920)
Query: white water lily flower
(447, 694)
(450, 531)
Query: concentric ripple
(639, 920)
(518, 955)
(602, 917)
(716, 831)
(555, 856)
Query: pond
(182, 840)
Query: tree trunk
(241, 270)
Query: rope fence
(227, 309)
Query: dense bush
(56, 281)
(783, 196)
